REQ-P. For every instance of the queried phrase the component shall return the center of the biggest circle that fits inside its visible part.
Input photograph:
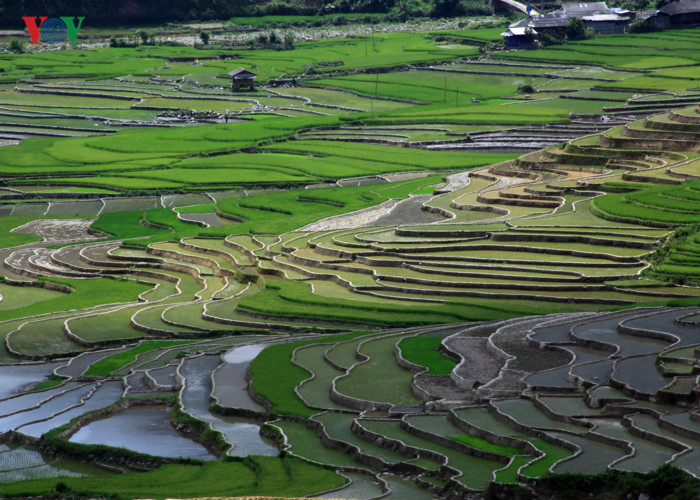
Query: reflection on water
(16, 377)
(105, 395)
(230, 378)
(48, 408)
(244, 436)
(144, 429)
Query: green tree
(16, 46)
(447, 8)
(575, 30)
(204, 37)
(289, 41)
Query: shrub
(447, 8)
(639, 26)
(16, 46)
(576, 30)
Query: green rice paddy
(247, 195)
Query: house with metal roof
(519, 38)
(242, 78)
(595, 15)
(580, 10)
(682, 13)
(655, 20)
(606, 23)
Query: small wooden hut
(242, 78)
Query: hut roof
(242, 73)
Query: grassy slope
(424, 351)
(107, 365)
(258, 476)
(275, 376)
(87, 293)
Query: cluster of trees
(272, 41)
(127, 12)
(574, 30)
(667, 482)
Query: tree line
(139, 12)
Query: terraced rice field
(355, 284)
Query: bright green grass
(653, 82)
(104, 114)
(53, 381)
(665, 205)
(432, 86)
(72, 189)
(14, 297)
(87, 293)
(126, 225)
(553, 454)
(482, 444)
(132, 182)
(396, 381)
(211, 177)
(391, 158)
(306, 444)
(219, 106)
(43, 338)
(338, 426)
(425, 351)
(481, 33)
(9, 97)
(630, 51)
(489, 112)
(387, 49)
(264, 476)
(509, 475)
(295, 299)
(111, 363)
(477, 472)
(316, 392)
(10, 239)
(110, 327)
(275, 376)
(344, 99)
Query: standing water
(17, 377)
(243, 435)
(143, 429)
(230, 384)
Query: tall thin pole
(376, 84)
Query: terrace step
(42, 261)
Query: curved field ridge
(439, 296)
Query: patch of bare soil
(353, 220)
(59, 230)
(442, 386)
(479, 362)
(456, 182)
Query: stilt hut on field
(242, 78)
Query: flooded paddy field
(141, 429)
(422, 276)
